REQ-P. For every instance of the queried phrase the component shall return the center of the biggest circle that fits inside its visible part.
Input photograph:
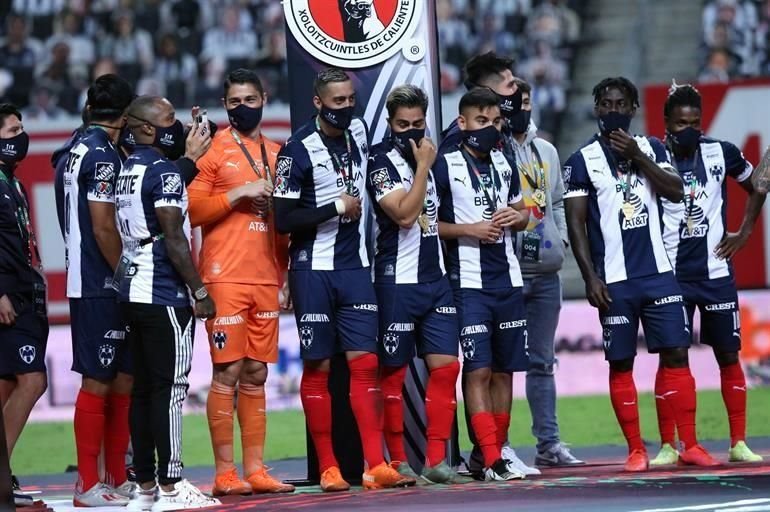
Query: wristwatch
(200, 294)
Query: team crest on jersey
(566, 173)
(716, 171)
(381, 180)
(219, 339)
(27, 353)
(390, 341)
(468, 346)
(104, 188)
(354, 33)
(306, 336)
(172, 183)
(104, 171)
(106, 355)
(282, 173)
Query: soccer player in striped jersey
(319, 196)
(480, 208)
(613, 183)
(242, 263)
(699, 246)
(415, 300)
(88, 173)
(153, 277)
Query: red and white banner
(737, 112)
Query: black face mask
(612, 121)
(401, 141)
(520, 122)
(170, 140)
(245, 118)
(482, 140)
(14, 149)
(510, 105)
(338, 118)
(686, 139)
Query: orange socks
(219, 410)
(253, 422)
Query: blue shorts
(336, 311)
(99, 346)
(655, 300)
(23, 344)
(493, 329)
(421, 315)
(720, 320)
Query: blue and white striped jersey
(402, 256)
(693, 228)
(308, 169)
(624, 245)
(149, 181)
(462, 200)
(88, 173)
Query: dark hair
(243, 76)
(617, 82)
(523, 85)
(684, 95)
(481, 98)
(108, 97)
(408, 96)
(328, 76)
(481, 68)
(7, 110)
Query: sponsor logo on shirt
(104, 171)
(172, 183)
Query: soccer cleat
(404, 469)
(556, 456)
(501, 471)
(741, 453)
(126, 489)
(332, 481)
(514, 462)
(184, 495)
(142, 499)
(229, 484)
(261, 482)
(697, 456)
(100, 495)
(666, 456)
(637, 462)
(382, 476)
(443, 474)
(19, 498)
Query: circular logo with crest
(352, 33)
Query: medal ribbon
(339, 167)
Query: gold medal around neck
(689, 225)
(628, 210)
(538, 196)
(424, 222)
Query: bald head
(147, 112)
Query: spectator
(720, 39)
(130, 47)
(272, 67)
(43, 105)
(208, 89)
(58, 76)
(41, 13)
(69, 30)
(231, 41)
(19, 55)
(717, 68)
(494, 37)
(176, 69)
(456, 41)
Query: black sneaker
(501, 471)
(21, 499)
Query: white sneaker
(515, 462)
(100, 495)
(127, 489)
(185, 495)
(141, 499)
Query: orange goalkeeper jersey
(238, 245)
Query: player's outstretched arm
(577, 213)
(171, 221)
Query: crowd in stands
(736, 40)
(50, 50)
